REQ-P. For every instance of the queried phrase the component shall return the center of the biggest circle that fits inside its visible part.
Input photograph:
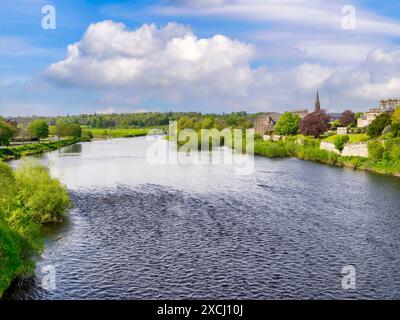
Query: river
(139, 231)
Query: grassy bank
(117, 133)
(29, 198)
(17, 152)
(384, 159)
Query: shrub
(271, 149)
(375, 150)
(340, 142)
(28, 198)
(379, 124)
(392, 150)
(43, 197)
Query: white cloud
(173, 65)
(110, 55)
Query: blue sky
(199, 55)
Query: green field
(99, 133)
(354, 138)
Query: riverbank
(384, 159)
(29, 199)
(12, 153)
(99, 133)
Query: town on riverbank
(367, 140)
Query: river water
(142, 231)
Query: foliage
(395, 130)
(28, 198)
(35, 185)
(335, 124)
(38, 129)
(315, 124)
(381, 122)
(32, 149)
(7, 131)
(87, 135)
(396, 116)
(347, 118)
(375, 150)
(62, 129)
(340, 142)
(73, 130)
(353, 138)
(358, 115)
(288, 124)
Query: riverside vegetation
(29, 199)
(382, 136)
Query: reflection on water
(72, 149)
(170, 232)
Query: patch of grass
(353, 138)
(99, 133)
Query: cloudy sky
(197, 55)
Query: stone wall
(350, 149)
(328, 146)
(356, 150)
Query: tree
(288, 124)
(7, 131)
(315, 124)
(207, 123)
(358, 115)
(60, 129)
(73, 130)
(381, 122)
(396, 115)
(347, 118)
(38, 129)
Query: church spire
(317, 103)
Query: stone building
(366, 119)
(388, 105)
(265, 123)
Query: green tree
(38, 129)
(381, 122)
(396, 115)
(288, 124)
(60, 129)
(7, 131)
(207, 123)
(73, 130)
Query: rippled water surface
(170, 232)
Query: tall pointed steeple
(317, 103)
